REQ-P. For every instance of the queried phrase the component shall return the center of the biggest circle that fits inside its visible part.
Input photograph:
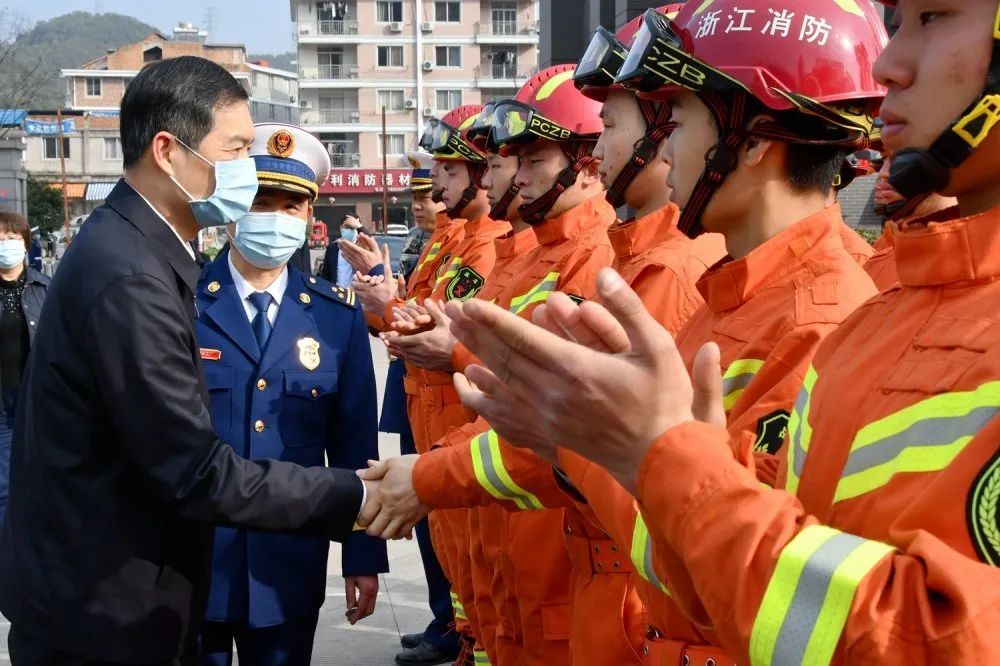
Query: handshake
(392, 507)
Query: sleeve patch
(771, 430)
(465, 285)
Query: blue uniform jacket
(310, 400)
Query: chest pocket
(219, 381)
(925, 369)
(305, 407)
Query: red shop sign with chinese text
(365, 181)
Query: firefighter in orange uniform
(553, 129)
(882, 547)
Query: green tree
(45, 206)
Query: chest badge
(308, 353)
(982, 514)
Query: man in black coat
(117, 477)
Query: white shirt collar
(244, 288)
(187, 245)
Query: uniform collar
(515, 244)
(940, 249)
(244, 288)
(442, 221)
(576, 221)
(633, 238)
(483, 224)
(733, 282)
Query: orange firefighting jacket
(446, 234)
(572, 249)
(881, 268)
(884, 547)
(856, 246)
(768, 313)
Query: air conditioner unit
(304, 104)
(410, 104)
(355, 115)
(396, 26)
(427, 26)
(428, 111)
(428, 66)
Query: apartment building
(415, 58)
(91, 140)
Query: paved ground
(402, 602)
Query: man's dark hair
(179, 96)
(12, 223)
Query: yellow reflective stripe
(540, 292)
(924, 437)
(480, 657)
(805, 606)
(457, 607)
(487, 462)
(642, 555)
(452, 271)
(431, 254)
(737, 377)
(799, 432)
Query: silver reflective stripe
(490, 470)
(737, 382)
(810, 594)
(940, 431)
(799, 459)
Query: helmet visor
(444, 141)
(479, 133)
(600, 63)
(517, 124)
(657, 59)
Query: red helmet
(448, 138)
(548, 106)
(786, 53)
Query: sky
(265, 26)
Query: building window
(390, 56)
(448, 99)
(390, 100)
(448, 56)
(448, 11)
(396, 144)
(52, 147)
(388, 10)
(113, 149)
(93, 87)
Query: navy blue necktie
(261, 324)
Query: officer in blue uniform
(289, 371)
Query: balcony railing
(338, 116)
(503, 72)
(343, 154)
(333, 72)
(337, 27)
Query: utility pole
(62, 169)
(385, 176)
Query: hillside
(65, 42)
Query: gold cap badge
(281, 143)
(308, 353)
(213, 287)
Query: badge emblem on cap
(308, 353)
(281, 143)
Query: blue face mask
(11, 253)
(268, 240)
(235, 188)
(350, 235)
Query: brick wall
(856, 201)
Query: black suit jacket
(328, 271)
(116, 474)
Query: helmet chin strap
(900, 210)
(579, 155)
(658, 127)
(501, 210)
(916, 171)
(476, 173)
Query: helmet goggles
(517, 124)
(445, 142)
(601, 61)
